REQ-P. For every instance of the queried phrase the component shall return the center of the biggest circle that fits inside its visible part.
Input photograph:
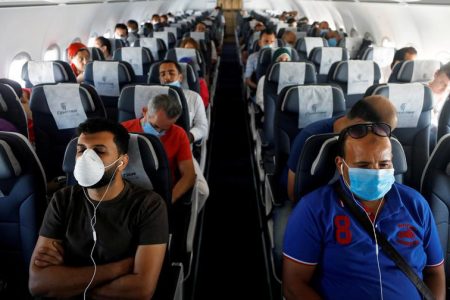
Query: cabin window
(15, 68)
(91, 41)
(386, 42)
(52, 53)
(107, 34)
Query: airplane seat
(22, 207)
(190, 77)
(305, 45)
(250, 39)
(279, 76)
(155, 45)
(176, 54)
(108, 78)
(116, 44)
(168, 37)
(140, 59)
(57, 111)
(435, 188)
(352, 44)
(354, 77)
(46, 72)
(444, 120)
(134, 97)
(414, 71)
(383, 56)
(255, 47)
(147, 167)
(175, 30)
(204, 43)
(96, 54)
(265, 59)
(14, 85)
(324, 57)
(414, 102)
(296, 108)
(316, 166)
(12, 110)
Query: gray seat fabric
(62, 72)
(201, 63)
(14, 85)
(190, 77)
(316, 58)
(414, 71)
(444, 120)
(339, 74)
(22, 207)
(11, 109)
(96, 53)
(147, 60)
(435, 187)
(265, 60)
(160, 51)
(414, 139)
(300, 46)
(316, 166)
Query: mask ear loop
(93, 222)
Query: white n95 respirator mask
(90, 172)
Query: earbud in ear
(121, 163)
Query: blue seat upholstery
(11, 109)
(116, 44)
(305, 45)
(435, 187)
(316, 166)
(175, 30)
(108, 80)
(168, 38)
(14, 85)
(339, 74)
(444, 120)
(272, 88)
(352, 44)
(134, 97)
(51, 137)
(22, 207)
(175, 54)
(155, 45)
(140, 59)
(255, 47)
(414, 136)
(190, 77)
(96, 54)
(147, 167)
(414, 71)
(265, 60)
(324, 57)
(46, 72)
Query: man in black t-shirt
(104, 237)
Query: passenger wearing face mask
(289, 38)
(121, 32)
(322, 234)
(170, 73)
(133, 28)
(83, 224)
(267, 39)
(159, 119)
(333, 38)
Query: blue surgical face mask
(370, 184)
(332, 42)
(323, 31)
(175, 83)
(148, 128)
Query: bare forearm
(130, 286)
(436, 283)
(63, 281)
(300, 291)
(181, 187)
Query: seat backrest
(22, 207)
(134, 97)
(176, 31)
(177, 54)
(116, 44)
(297, 107)
(316, 166)
(14, 85)
(57, 111)
(265, 59)
(140, 59)
(11, 109)
(324, 57)
(155, 45)
(305, 45)
(414, 102)
(414, 71)
(435, 187)
(354, 77)
(255, 47)
(147, 165)
(46, 72)
(444, 120)
(352, 44)
(96, 54)
(168, 38)
(108, 79)
(190, 77)
(279, 76)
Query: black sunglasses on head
(359, 131)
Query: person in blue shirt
(325, 240)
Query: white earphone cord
(94, 234)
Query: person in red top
(78, 55)
(159, 119)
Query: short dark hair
(121, 26)
(363, 110)
(168, 61)
(445, 69)
(133, 24)
(267, 31)
(168, 104)
(104, 42)
(94, 125)
(400, 54)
